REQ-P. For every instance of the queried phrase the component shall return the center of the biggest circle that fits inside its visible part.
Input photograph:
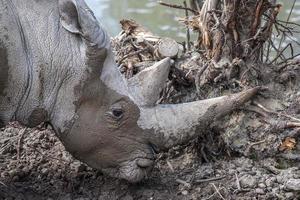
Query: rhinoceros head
(117, 122)
(104, 132)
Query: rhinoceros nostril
(144, 163)
(154, 148)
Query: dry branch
(178, 7)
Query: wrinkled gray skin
(56, 66)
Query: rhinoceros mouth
(136, 169)
(133, 171)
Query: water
(294, 17)
(158, 19)
(162, 20)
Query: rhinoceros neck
(43, 67)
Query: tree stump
(167, 47)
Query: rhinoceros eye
(117, 113)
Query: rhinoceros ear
(76, 17)
(145, 87)
(69, 16)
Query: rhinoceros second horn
(146, 86)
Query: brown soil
(34, 165)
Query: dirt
(35, 165)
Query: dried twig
(253, 144)
(170, 166)
(188, 37)
(178, 7)
(208, 179)
(257, 18)
(203, 154)
(132, 54)
(290, 58)
(3, 184)
(292, 124)
(210, 196)
(217, 190)
(20, 143)
(237, 182)
(186, 184)
(279, 53)
(288, 22)
(275, 113)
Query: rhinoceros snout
(145, 163)
(132, 171)
(137, 169)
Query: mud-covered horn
(174, 124)
(146, 86)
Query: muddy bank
(34, 165)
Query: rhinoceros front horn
(174, 124)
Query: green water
(163, 20)
(157, 18)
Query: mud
(35, 165)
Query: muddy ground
(34, 165)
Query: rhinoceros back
(12, 62)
